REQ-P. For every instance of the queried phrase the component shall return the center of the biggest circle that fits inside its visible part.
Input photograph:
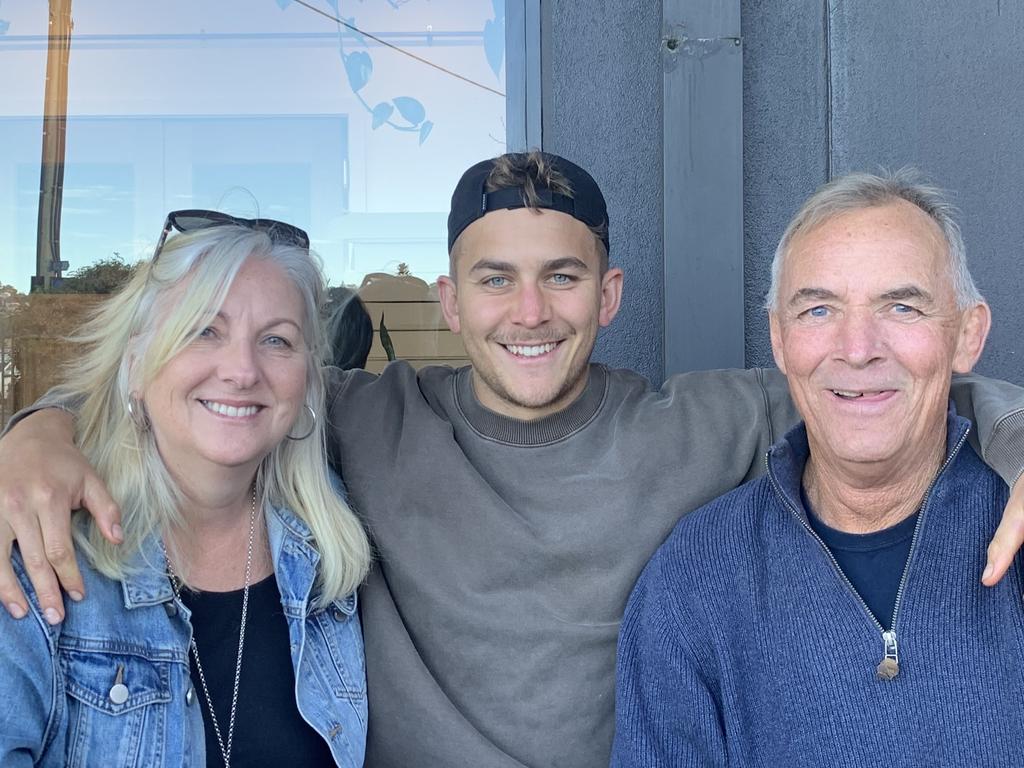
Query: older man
(822, 614)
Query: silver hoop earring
(312, 425)
(137, 414)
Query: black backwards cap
(471, 200)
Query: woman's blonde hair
(140, 329)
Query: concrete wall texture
(829, 87)
(602, 63)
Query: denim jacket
(58, 706)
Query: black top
(269, 731)
(873, 562)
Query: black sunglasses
(192, 220)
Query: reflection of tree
(103, 276)
(11, 303)
(10, 299)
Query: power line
(399, 49)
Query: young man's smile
(528, 295)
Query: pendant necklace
(225, 747)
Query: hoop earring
(312, 425)
(137, 414)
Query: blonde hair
(140, 329)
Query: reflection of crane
(51, 172)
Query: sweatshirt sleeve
(665, 713)
(54, 398)
(997, 410)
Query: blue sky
(257, 107)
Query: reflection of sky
(246, 107)
(94, 218)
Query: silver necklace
(225, 749)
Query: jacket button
(190, 695)
(339, 615)
(171, 608)
(118, 693)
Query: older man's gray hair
(857, 191)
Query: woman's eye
(277, 341)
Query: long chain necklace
(225, 749)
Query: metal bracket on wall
(702, 53)
(677, 45)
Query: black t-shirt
(269, 731)
(873, 562)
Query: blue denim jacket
(56, 707)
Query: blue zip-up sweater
(743, 643)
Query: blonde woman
(223, 630)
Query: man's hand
(43, 476)
(1008, 536)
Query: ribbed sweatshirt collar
(550, 429)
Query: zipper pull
(890, 664)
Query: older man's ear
(775, 330)
(975, 323)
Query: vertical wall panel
(940, 84)
(933, 83)
(703, 184)
(785, 94)
(602, 75)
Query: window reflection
(273, 108)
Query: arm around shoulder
(58, 410)
(43, 477)
(997, 410)
(731, 416)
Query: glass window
(349, 118)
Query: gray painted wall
(936, 83)
(932, 83)
(602, 70)
(784, 139)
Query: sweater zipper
(889, 667)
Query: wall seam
(828, 89)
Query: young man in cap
(513, 502)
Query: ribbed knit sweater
(743, 644)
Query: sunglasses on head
(192, 220)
